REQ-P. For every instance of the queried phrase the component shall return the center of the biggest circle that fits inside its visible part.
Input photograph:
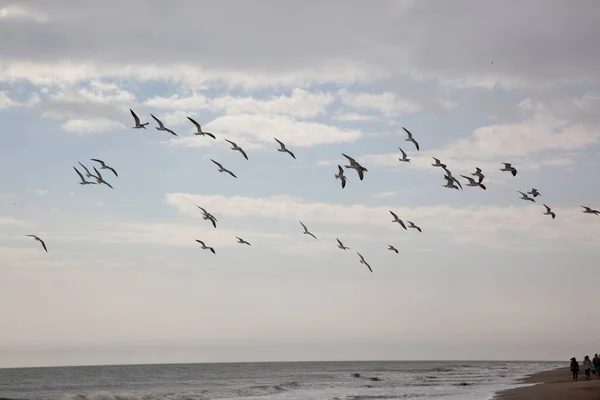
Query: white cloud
(7, 102)
(352, 117)
(15, 11)
(84, 126)
(387, 103)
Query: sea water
(376, 380)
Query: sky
(124, 281)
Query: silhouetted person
(596, 362)
(574, 368)
(587, 367)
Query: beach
(555, 385)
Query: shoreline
(556, 384)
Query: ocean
(375, 380)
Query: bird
(362, 261)
(242, 241)
(525, 197)
(549, 211)
(208, 216)
(588, 210)
(340, 176)
(39, 240)
(412, 225)
(392, 248)
(404, 158)
(360, 170)
(450, 183)
(438, 163)
(509, 168)
(410, 138)
(306, 232)
(472, 182)
(341, 245)
(450, 176)
(100, 179)
(88, 174)
(83, 181)
(534, 192)
(398, 220)
(137, 121)
(205, 247)
(161, 127)
(478, 174)
(283, 148)
(104, 166)
(199, 129)
(221, 169)
(238, 148)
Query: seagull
(340, 176)
(404, 158)
(534, 192)
(83, 181)
(208, 216)
(39, 240)
(87, 171)
(355, 166)
(137, 121)
(509, 168)
(238, 148)
(104, 166)
(199, 130)
(549, 211)
(283, 149)
(438, 163)
(221, 169)
(100, 179)
(450, 176)
(161, 127)
(306, 232)
(205, 247)
(525, 197)
(362, 261)
(472, 182)
(478, 174)
(242, 241)
(410, 138)
(588, 210)
(392, 248)
(450, 183)
(412, 225)
(341, 245)
(398, 220)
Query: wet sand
(555, 385)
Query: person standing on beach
(587, 367)
(596, 362)
(574, 368)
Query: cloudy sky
(478, 83)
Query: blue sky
(489, 275)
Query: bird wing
(113, 171)
(84, 167)
(195, 123)
(203, 210)
(457, 182)
(340, 170)
(507, 165)
(352, 160)
(360, 255)
(79, 173)
(220, 166)
(160, 124)
(436, 160)
(291, 154)
(338, 240)
(107, 184)
(210, 135)
(471, 180)
(201, 242)
(98, 161)
(401, 223)
(213, 250)
(522, 194)
(171, 132)
(280, 143)
(243, 152)
(214, 222)
(98, 174)
(368, 266)
(304, 226)
(343, 179)
(43, 244)
(416, 144)
(361, 174)
(393, 214)
(548, 209)
(403, 153)
(410, 136)
(230, 173)
(232, 143)
(135, 117)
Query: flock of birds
(451, 181)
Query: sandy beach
(556, 385)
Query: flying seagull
(199, 129)
(362, 261)
(306, 232)
(509, 168)
(588, 210)
(208, 216)
(438, 163)
(39, 240)
(450, 176)
(355, 166)
(100, 179)
(340, 176)
(404, 158)
(478, 174)
(205, 247)
(410, 138)
(242, 241)
(238, 148)
(534, 192)
(137, 121)
(341, 245)
(549, 211)
(472, 182)
(392, 248)
(450, 183)
(525, 197)
(161, 127)
(412, 225)
(398, 220)
(83, 181)
(104, 166)
(283, 149)
(88, 174)
(221, 169)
